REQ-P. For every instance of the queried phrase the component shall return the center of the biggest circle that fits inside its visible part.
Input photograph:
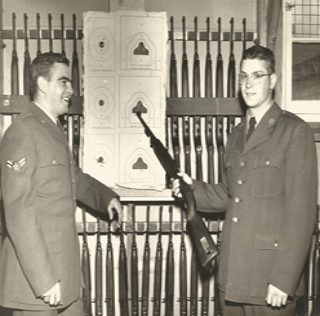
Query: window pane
(306, 71)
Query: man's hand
(276, 297)
(115, 207)
(176, 184)
(53, 296)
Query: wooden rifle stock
(27, 59)
(98, 271)
(183, 274)
(85, 265)
(110, 277)
(158, 272)
(63, 51)
(75, 61)
(202, 240)
(186, 144)
(169, 287)
(50, 33)
(210, 146)
(38, 36)
(123, 277)
(146, 271)
(134, 270)
(185, 72)
(14, 60)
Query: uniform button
(237, 200)
(276, 244)
(267, 162)
(241, 164)
(240, 182)
(235, 219)
(54, 162)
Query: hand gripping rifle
(202, 241)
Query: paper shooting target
(101, 44)
(101, 102)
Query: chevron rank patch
(16, 166)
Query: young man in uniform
(40, 270)
(269, 194)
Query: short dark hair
(42, 66)
(260, 53)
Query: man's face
(59, 90)
(257, 95)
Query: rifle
(232, 66)
(98, 283)
(194, 285)
(231, 75)
(203, 243)
(14, 60)
(146, 271)
(50, 33)
(27, 59)
(174, 94)
(219, 94)
(196, 63)
(205, 278)
(158, 272)
(63, 52)
(244, 34)
(217, 309)
(75, 61)
(85, 265)
(186, 144)
(183, 274)
(208, 68)
(209, 119)
(185, 75)
(123, 277)
(196, 94)
(173, 66)
(110, 276)
(134, 270)
(169, 288)
(38, 36)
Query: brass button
(240, 182)
(237, 200)
(242, 164)
(235, 219)
(267, 162)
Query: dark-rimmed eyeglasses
(255, 78)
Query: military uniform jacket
(40, 184)
(269, 195)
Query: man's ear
(42, 84)
(273, 82)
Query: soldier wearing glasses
(269, 195)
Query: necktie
(252, 123)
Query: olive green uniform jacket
(269, 194)
(40, 185)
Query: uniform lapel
(263, 129)
(46, 122)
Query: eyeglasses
(255, 78)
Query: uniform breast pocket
(52, 176)
(268, 176)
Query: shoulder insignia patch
(16, 166)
